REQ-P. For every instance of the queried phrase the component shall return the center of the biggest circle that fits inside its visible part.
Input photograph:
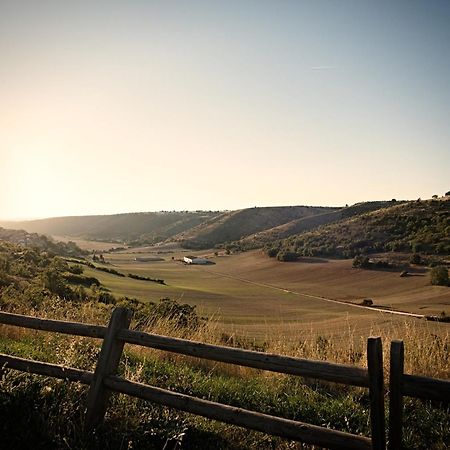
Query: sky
(109, 107)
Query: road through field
(325, 299)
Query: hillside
(302, 224)
(40, 242)
(146, 228)
(415, 226)
(234, 225)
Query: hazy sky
(148, 105)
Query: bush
(272, 252)
(361, 262)
(77, 269)
(286, 256)
(81, 279)
(439, 276)
(367, 302)
(415, 259)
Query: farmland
(254, 295)
(309, 309)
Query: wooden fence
(104, 380)
(401, 384)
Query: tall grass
(53, 410)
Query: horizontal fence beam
(290, 429)
(338, 373)
(426, 388)
(58, 326)
(47, 369)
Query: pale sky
(110, 107)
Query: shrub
(77, 269)
(360, 261)
(272, 252)
(286, 256)
(415, 259)
(81, 280)
(439, 276)
(367, 302)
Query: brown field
(251, 294)
(86, 244)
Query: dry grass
(426, 352)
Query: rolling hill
(235, 225)
(414, 226)
(146, 228)
(307, 223)
(376, 226)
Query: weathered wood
(107, 364)
(339, 373)
(426, 388)
(58, 326)
(47, 369)
(396, 395)
(376, 392)
(277, 426)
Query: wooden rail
(338, 373)
(104, 380)
(58, 326)
(401, 385)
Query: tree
(415, 259)
(287, 256)
(439, 276)
(361, 262)
(272, 252)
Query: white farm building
(195, 260)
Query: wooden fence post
(396, 395)
(107, 364)
(376, 392)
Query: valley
(254, 295)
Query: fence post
(376, 392)
(107, 364)
(396, 395)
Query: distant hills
(199, 229)
(236, 225)
(419, 226)
(131, 228)
(309, 222)
(41, 242)
(415, 226)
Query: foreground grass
(40, 412)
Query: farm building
(195, 260)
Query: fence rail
(57, 326)
(338, 373)
(104, 380)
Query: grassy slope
(234, 225)
(417, 226)
(302, 224)
(122, 227)
(38, 412)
